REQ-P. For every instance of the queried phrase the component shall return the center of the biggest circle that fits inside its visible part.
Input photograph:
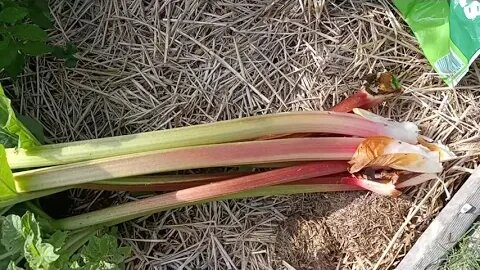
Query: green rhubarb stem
(5, 209)
(78, 239)
(220, 132)
(217, 155)
(7, 255)
(23, 197)
(37, 211)
(131, 210)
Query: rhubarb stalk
(210, 192)
(177, 182)
(220, 132)
(375, 89)
(336, 182)
(216, 155)
(160, 182)
(131, 210)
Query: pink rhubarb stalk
(329, 183)
(360, 99)
(216, 155)
(244, 129)
(131, 210)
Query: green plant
(466, 255)
(23, 25)
(28, 243)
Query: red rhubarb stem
(376, 88)
(178, 182)
(361, 99)
(160, 182)
(131, 210)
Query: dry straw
(148, 65)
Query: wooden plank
(446, 229)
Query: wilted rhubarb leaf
(442, 150)
(386, 152)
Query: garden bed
(155, 65)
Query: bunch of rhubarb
(295, 152)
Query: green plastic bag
(448, 33)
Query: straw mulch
(149, 65)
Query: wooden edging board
(446, 229)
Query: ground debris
(354, 228)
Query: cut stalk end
(382, 188)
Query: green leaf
(101, 253)
(33, 125)
(70, 62)
(39, 4)
(12, 14)
(14, 134)
(28, 32)
(71, 49)
(22, 237)
(12, 266)
(396, 82)
(16, 66)
(7, 139)
(57, 239)
(7, 52)
(12, 234)
(35, 48)
(30, 227)
(40, 255)
(39, 18)
(11, 125)
(58, 52)
(37, 254)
